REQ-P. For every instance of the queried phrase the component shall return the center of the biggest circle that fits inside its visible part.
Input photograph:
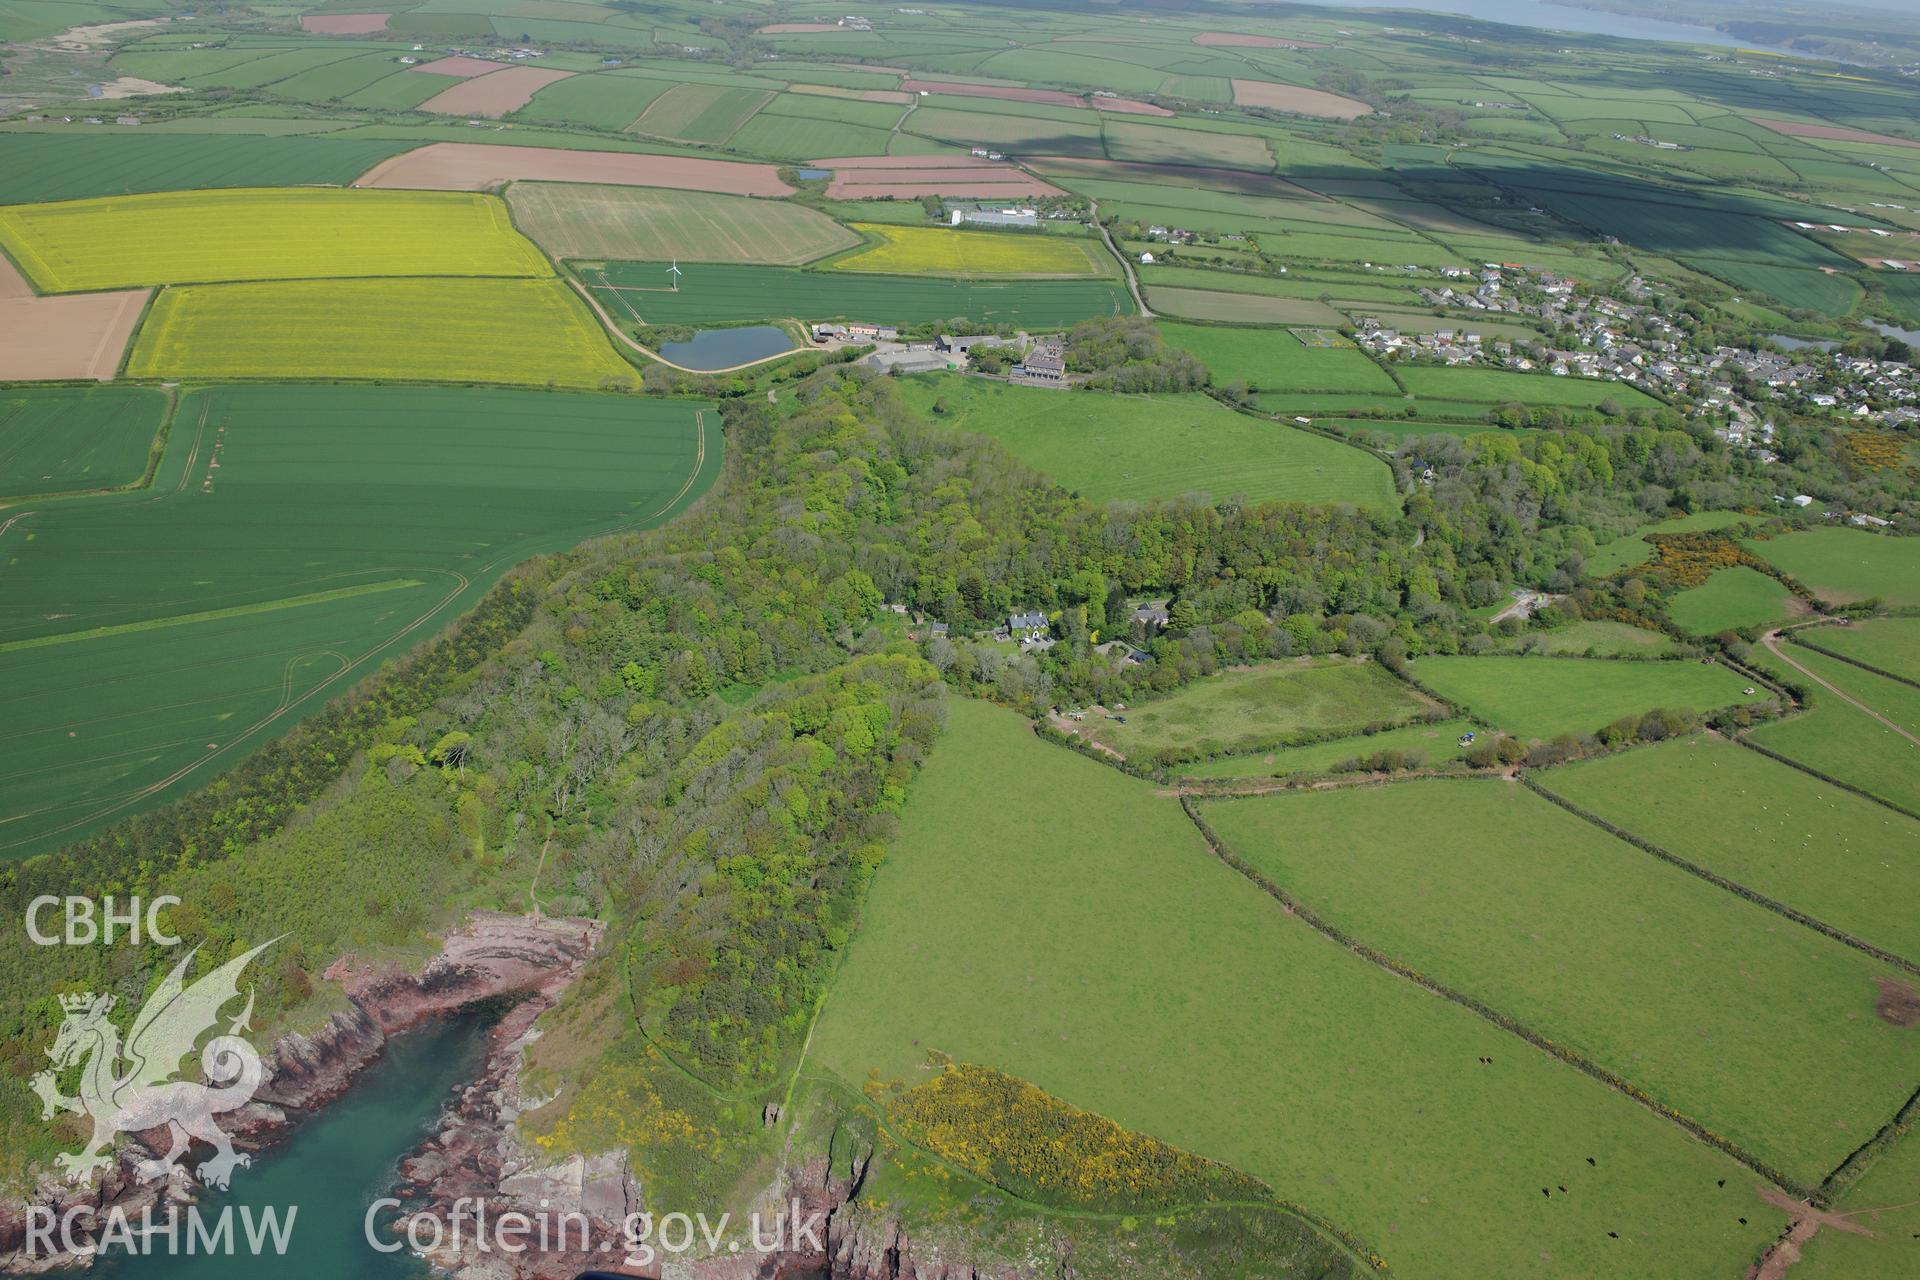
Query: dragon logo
(131, 1088)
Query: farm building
(1006, 217)
(1045, 366)
(1028, 624)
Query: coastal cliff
(492, 956)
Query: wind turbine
(674, 271)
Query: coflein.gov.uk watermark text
(470, 1225)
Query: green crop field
(1110, 446)
(1435, 742)
(192, 237)
(1545, 697)
(579, 221)
(604, 101)
(700, 112)
(1251, 708)
(58, 439)
(1845, 565)
(1497, 386)
(1275, 360)
(1843, 860)
(1666, 980)
(536, 332)
(1891, 644)
(150, 639)
(1111, 960)
(1732, 599)
(725, 293)
(50, 166)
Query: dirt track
(1772, 642)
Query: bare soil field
(473, 166)
(81, 335)
(1241, 40)
(99, 35)
(461, 66)
(957, 187)
(493, 95)
(903, 162)
(1833, 133)
(1052, 97)
(1290, 97)
(344, 24)
(1127, 106)
(910, 177)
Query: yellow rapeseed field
(194, 237)
(534, 332)
(938, 251)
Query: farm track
(1772, 643)
(1126, 267)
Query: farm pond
(712, 349)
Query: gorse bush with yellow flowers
(1010, 1133)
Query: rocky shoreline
(475, 1157)
(493, 955)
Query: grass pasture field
(1276, 360)
(1891, 644)
(63, 439)
(1845, 565)
(1885, 1206)
(1539, 697)
(196, 237)
(1109, 446)
(1632, 549)
(581, 221)
(534, 332)
(1592, 639)
(1870, 745)
(1495, 893)
(732, 293)
(937, 251)
(1120, 953)
(150, 639)
(1841, 859)
(1253, 708)
(1434, 741)
(1240, 308)
(1731, 600)
(1499, 386)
